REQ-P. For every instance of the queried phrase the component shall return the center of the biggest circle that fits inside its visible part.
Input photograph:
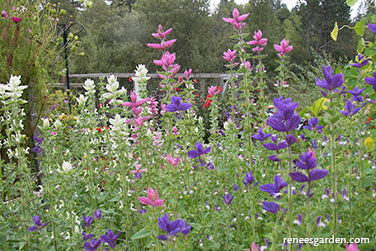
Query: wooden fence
(220, 78)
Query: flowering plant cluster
(118, 174)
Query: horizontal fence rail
(219, 77)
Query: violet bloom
(184, 229)
(237, 20)
(361, 62)
(285, 119)
(248, 179)
(172, 228)
(87, 221)
(92, 245)
(87, 236)
(274, 188)
(371, 81)
(372, 28)
(330, 81)
(313, 125)
(228, 198)
(110, 238)
(198, 152)
(356, 94)
(176, 105)
(261, 136)
(38, 224)
(350, 109)
(270, 206)
(38, 141)
(97, 214)
(308, 162)
(283, 48)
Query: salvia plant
(128, 172)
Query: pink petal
(145, 201)
(158, 203)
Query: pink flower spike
(236, 20)
(230, 55)
(254, 247)
(187, 73)
(352, 247)
(16, 19)
(313, 153)
(283, 47)
(4, 13)
(173, 161)
(258, 40)
(151, 199)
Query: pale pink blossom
(173, 161)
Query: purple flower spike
(92, 245)
(184, 229)
(349, 109)
(97, 214)
(317, 174)
(248, 179)
(176, 105)
(38, 224)
(372, 28)
(172, 228)
(110, 238)
(228, 198)
(274, 188)
(330, 81)
(87, 236)
(198, 152)
(371, 81)
(261, 136)
(361, 62)
(270, 206)
(87, 221)
(299, 177)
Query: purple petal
(193, 154)
(317, 174)
(299, 177)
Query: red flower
(195, 81)
(180, 78)
(177, 89)
(130, 79)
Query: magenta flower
(4, 13)
(151, 199)
(229, 55)
(135, 103)
(160, 33)
(16, 19)
(187, 73)
(352, 247)
(173, 161)
(283, 48)
(237, 20)
(164, 45)
(166, 61)
(214, 90)
(259, 41)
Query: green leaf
(317, 107)
(351, 2)
(334, 33)
(141, 234)
(361, 45)
(359, 27)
